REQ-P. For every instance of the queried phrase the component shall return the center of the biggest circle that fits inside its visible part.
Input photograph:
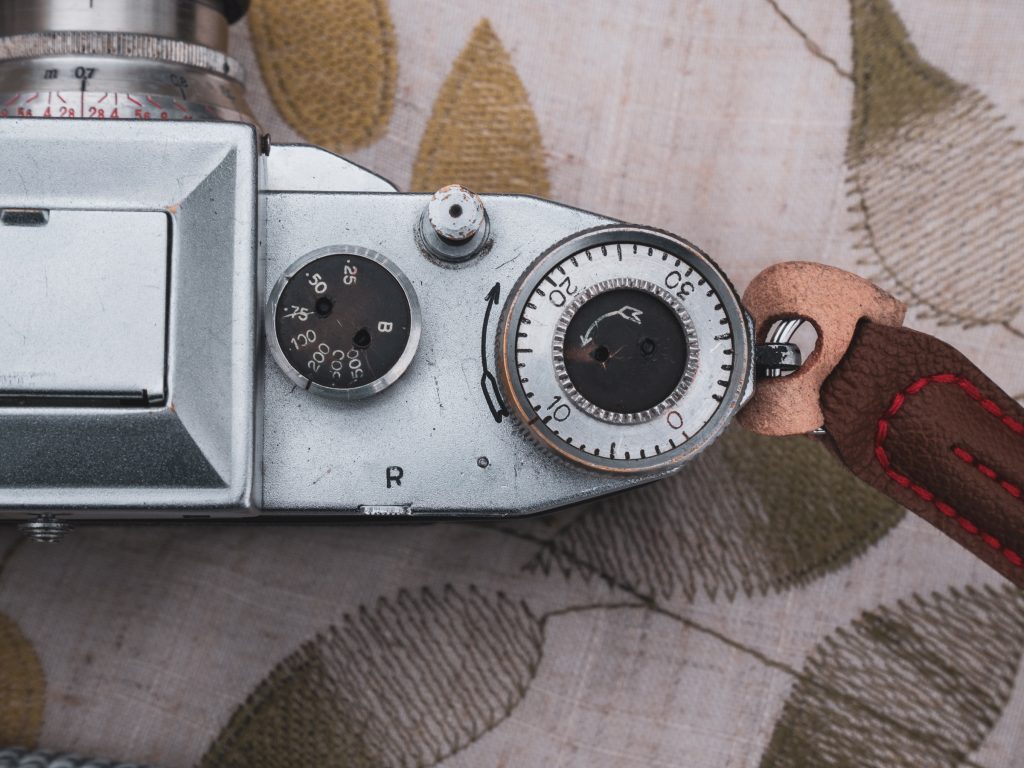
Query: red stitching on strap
(988, 472)
(990, 406)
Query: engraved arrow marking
(487, 381)
(629, 313)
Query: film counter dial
(620, 350)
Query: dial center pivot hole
(343, 322)
(624, 350)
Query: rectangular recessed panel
(84, 309)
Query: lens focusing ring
(120, 44)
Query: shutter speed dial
(343, 322)
(625, 350)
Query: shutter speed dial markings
(619, 347)
(343, 322)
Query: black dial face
(625, 351)
(345, 324)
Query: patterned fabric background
(761, 608)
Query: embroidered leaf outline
(407, 682)
(482, 132)
(330, 67)
(752, 514)
(918, 684)
(936, 175)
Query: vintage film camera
(197, 323)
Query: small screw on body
(483, 462)
(46, 529)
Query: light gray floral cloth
(762, 608)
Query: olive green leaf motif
(751, 514)
(22, 687)
(330, 67)
(482, 133)
(920, 684)
(937, 180)
(407, 682)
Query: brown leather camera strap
(913, 417)
(905, 412)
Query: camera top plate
(193, 449)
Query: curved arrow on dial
(629, 313)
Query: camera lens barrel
(202, 22)
(120, 59)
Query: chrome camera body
(198, 323)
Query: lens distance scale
(343, 322)
(624, 349)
